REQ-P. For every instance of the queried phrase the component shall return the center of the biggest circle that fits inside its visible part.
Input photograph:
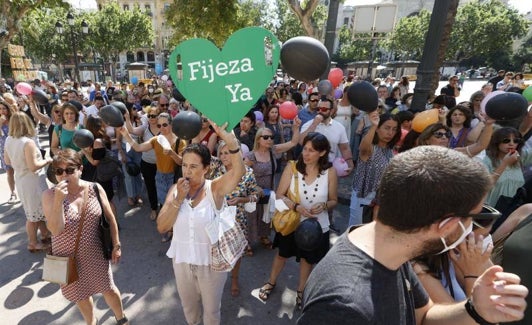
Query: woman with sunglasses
(148, 168)
(262, 160)
(63, 206)
(504, 159)
(6, 111)
(168, 152)
(22, 154)
(206, 136)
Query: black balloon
(132, 168)
(186, 125)
(76, 104)
(83, 138)
(39, 96)
(507, 106)
(177, 95)
(112, 116)
(121, 106)
(308, 234)
(304, 58)
(363, 96)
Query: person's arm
(526, 124)
(226, 183)
(366, 144)
(138, 147)
(483, 140)
(211, 144)
(332, 197)
(310, 127)
(345, 150)
(120, 148)
(512, 221)
(106, 207)
(136, 130)
(285, 146)
(431, 284)
(89, 152)
(54, 145)
(32, 156)
(474, 133)
(169, 211)
(497, 297)
(52, 205)
(176, 156)
(41, 118)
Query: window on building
(147, 7)
(346, 21)
(130, 57)
(126, 7)
(140, 56)
(151, 56)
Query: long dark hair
(319, 143)
(383, 118)
(492, 151)
(465, 110)
(94, 124)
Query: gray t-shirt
(349, 287)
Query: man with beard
(428, 198)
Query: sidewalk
(144, 276)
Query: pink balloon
(23, 88)
(341, 166)
(487, 98)
(288, 110)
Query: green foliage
(353, 49)
(408, 38)
(289, 25)
(485, 28)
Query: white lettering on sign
(207, 70)
(245, 94)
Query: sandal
(122, 321)
(266, 243)
(153, 215)
(37, 248)
(264, 292)
(248, 251)
(235, 290)
(12, 198)
(299, 299)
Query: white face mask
(486, 242)
(465, 232)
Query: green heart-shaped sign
(224, 85)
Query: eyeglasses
(163, 105)
(152, 115)
(486, 217)
(314, 100)
(516, 140)
(439, 135)
(323, 108)
(57, 112)
(204, 120)
(267, 137)
(68, 170)
(162, 125)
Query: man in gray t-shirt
(427, 198)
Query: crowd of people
(418, 193)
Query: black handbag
(105, 230)
(108, 167)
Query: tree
(523, 55)
(408, 37)
(304, 11)
(353, 49)
(12, 12)
(485, 28)
(114, 30)
(289, 25)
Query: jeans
(163, 183)
(133, 183)
(356, 207)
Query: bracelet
(470, 276)
(174, 205)
(325, 206)
(234, 151)
(295, 207)
(117, 246)
(473, 313)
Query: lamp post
(84, 30)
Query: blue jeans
(133, 183)
(356, 207)
(163, 182)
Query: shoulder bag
(228, 241)
(63, 269)
(105, 229)
(286, 222)
(266, 198)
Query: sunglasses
(324, 109)
(162, 125)
(163, 105)
(152, 115)
(486, 217)
(68, 170)
(516, 140)
(204, 120)
(314, 100)
(267, 137)
(439, 135)
(57, 112)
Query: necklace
(191, 199)
(307, 190)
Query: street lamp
(84, 30)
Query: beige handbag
(63, 269)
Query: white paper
(163, 142)
(280, 205)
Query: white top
(92, 111)
(334, 132)
(322, 195)
(190, 243)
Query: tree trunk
(305, 16)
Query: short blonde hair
(20, 126)
(257, 137)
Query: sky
(522, 5)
